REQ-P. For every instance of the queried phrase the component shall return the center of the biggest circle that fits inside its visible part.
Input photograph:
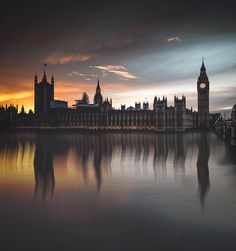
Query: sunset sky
(138, 48)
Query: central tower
(203, 98)
(98, 96)
(43, 94)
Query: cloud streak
(175, 39)
(118, 70)
(87, 77)
(68, 58)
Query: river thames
(117, 191)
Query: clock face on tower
(202, 85)
(203, 98)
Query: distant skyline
(139, 49)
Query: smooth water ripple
(117, 191)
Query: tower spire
(44, 73)
(98, 89)
(203, 68)
(44, 68)
(98, 96)
(52, 80)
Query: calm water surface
(129, 191)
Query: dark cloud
(40, 23)
(74, 35)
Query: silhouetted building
(57, 104)
(203, 98)
(137, 106)
(43, 94)
(213, 118)
(145, 106)
(173, 118)
(83, 102)
(98, 96)
(101, 114)
(233, 114)
(107, 105)
(8, 116)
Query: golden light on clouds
(118, 70)
(67, 58)
(72, 91)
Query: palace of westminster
(50, 113)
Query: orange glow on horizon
(120, 93)
(68, 91)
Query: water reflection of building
(202, 166)
(160, 151)
(97, 160)
(180, 152)
(88, 158)
(169, 148)
(43, 168)
(93, 150)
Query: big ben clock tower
(203, 98)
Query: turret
(52, 80)
(35, 79)
(137, 106)
(160, 104)
(106, 106)
(44, 80)
(154, 103)
(180, 101)
(145, 106)
(22, 111)
(180, 104)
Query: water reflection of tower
(202, 166)
(83, 149)
(43, 168)
(160, 155)
(180, 152)
(98, 148)
(97, 162)
(103, 148)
